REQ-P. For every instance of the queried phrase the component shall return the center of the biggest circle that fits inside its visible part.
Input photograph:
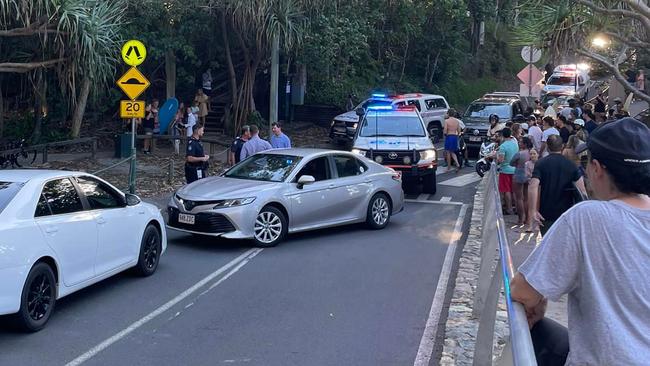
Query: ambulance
(567, 79)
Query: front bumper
(341, 131)
(232, 222)
(419, 170)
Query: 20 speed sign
(132, 109)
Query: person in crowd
(150, 122)
(579, 130)
(278, 139)
(451, 131)
(569, 150)
(598, 254)
(549, 130)
(202, 101)
(177, 129)
(618, 106)
(566, 111)
(552, 185)
(561, 125)
(462, 126)
(517, 131)
(640, 80)
(600, 107)
(196, 161)
(206, 84)
(534, 132)
(190, 122)
(235, 149)
(507, 150)
(590, 121)
(495, 126)
(520, 181)
(254, 145)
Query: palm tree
(254, 24)
(78, 38)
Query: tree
(76, 38)
(567, 28)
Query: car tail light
(397, 175)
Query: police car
(569, 79)
(397, 137)
(432, 108)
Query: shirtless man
(451, 132)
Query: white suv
(397, 138)
(432, 108)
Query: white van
(569, 79)
(397, 137)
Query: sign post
(531, 55)
(133, 84)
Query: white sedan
(63, 231)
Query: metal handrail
(523, 352)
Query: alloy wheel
(380, 211)
(40, 295)
(268, 227)
(151, 250)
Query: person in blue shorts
(451, 132)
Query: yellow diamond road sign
(133, 83)
(134, 52)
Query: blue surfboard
(167, 113)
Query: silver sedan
(285, 191)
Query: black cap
(626, 141)
(519, 118)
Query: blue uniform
(195, 171)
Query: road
(342, 296)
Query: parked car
(432, 108)
(476, 116)
(278, 192)
(63, 231)
(396, 137)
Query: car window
(516, 109)
(265, 167)
(8, 191)
(416, 103)
(98, 194)
(437, 103)
(318, 168)
(42, 208)
(61, 197)
(347, 166)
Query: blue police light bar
(379, 95)
(380, 107)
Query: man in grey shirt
(598, 253)
(255, 144)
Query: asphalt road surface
(341, 296)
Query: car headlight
(355, 126)
(428, 154)
(332, 124)
(234, 202)
(359, 152)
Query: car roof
(302, 151)
(414, 96)
(497, 100)
(24, 175)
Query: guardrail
(496, 269)
(212, 143)
(43, 148)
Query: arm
(533, 202)
(195, 159)
(580, 184)
(534, 303)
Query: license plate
(186, 219)
(340, 129)
(475, 138)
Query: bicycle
(17, 159)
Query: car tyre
(150, 250)
(270, 227)
(37, 299)
(379, 211)
(429, 183)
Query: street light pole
(275, 76)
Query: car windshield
(391, 125)
(484, 110)
(551, 99)
(562, 80)
(264, 167)
(8, 191)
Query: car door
(314, 203)
(118, 225)
(352, 186)
(70, 231)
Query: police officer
(196, 162)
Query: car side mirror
(360, 112)
(305, 180)
(132, 200)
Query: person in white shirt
(549, 130)
(535, 133)
(191, 122)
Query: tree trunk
(40, 102)
(80, 107)
(232, 78)
(406, 52)
(2, 111)
(170, 72)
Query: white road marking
(461, 181)
(118, 336)
(445, 199)
(435, 202)
(423, 197)
(429, 337)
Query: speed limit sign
(132, 109)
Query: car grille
(393, 157)
(204, 222)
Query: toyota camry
(285, 191)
